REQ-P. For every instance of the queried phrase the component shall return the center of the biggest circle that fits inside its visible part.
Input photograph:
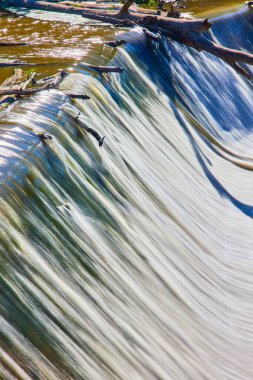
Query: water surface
(131, 261)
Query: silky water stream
(134, 260)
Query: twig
(103, 69)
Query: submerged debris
(90, 130)
(96, 135)
(83, 122)
(65, 208)
(78, 96)
(152, 36)
(44, 136)
(116, 43)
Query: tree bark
(110, 7)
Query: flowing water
(134, 260)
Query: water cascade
(131, 260)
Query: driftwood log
(15, 63)
(102, 69)
(16, 83)
(16, 86)
(109, 7)
(115, 43)
(6, 44)
(188, 32)
(31, 91)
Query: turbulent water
(134, 260)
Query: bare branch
(125, 8)
(103, 69)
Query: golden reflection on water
(210, 8)
(57, 45)
(52, 45)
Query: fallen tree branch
(44, 80)
(56, 80)
(31, 91)
(17, 82)
(240, 70)
(177, 25)
(188, 32)
(152, 36)
(230, 56)
(78, 96)
(109, 7)
(116, 43)
(103, 69)
(15, 63)
(17, 92)
(125, 8)
(96, 135)
(200, 43)
(6, 44)
(92, 131)
(108, 19)
(14, 85)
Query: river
(134, 260)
